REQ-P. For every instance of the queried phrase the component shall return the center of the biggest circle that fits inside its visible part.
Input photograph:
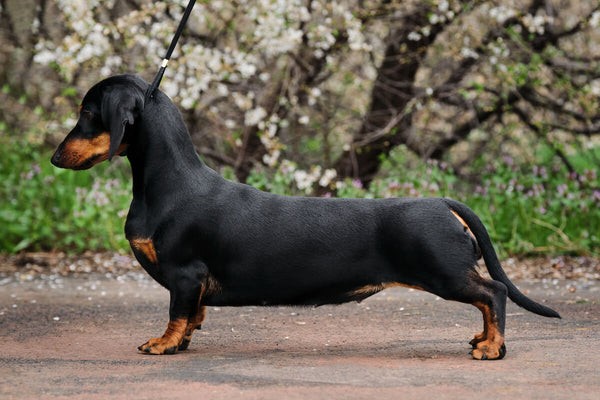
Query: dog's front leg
(169, 342)
(185, 287)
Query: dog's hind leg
(489, 297)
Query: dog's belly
(292, 297)
(309, 284)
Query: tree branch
(526, 119)
(462, 131)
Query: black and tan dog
(212, 242)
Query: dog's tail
(492, 262)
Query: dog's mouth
(76, 161)
(90, 162)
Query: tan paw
(159, 345)
(480, 337)
(487, 350)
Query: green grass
(538, 209)
(528, 209)
(46, 208)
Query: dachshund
(213, 242)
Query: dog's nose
(55, 160)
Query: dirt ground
(76, 338)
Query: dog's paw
(159, 346)
(184, 343)
(191, 327)
(480, 337)
(488, 351)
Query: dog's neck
(161, 152)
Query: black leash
(165, 61)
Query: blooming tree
(325, 90)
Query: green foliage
(528, 209)
(539, 209)
(533, 209)
(279, 182)
(45, 208)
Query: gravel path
(74, 335)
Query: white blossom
(414, 36)
(247, 69)
(271, 159)
(222, 90)
(502, 13)
(241, 101)
(469, 53)
(443, 6)
(44, 57)
(327, 177)
(302, 179)
(187, 103)
(595, 20)
(305, 180)
(537, 23)
(595, 87)
(254, 116)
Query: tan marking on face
(77, 152)
(146, 247)
(84, 149)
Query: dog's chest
(146, 254)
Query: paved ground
(76, 338)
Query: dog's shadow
(407, 349)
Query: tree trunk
(388, 120)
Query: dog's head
(106, 112)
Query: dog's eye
(87, 114)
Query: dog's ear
(120, 106)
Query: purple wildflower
(542, 210)
(481, 190)
(393, 185)
(562, 189)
